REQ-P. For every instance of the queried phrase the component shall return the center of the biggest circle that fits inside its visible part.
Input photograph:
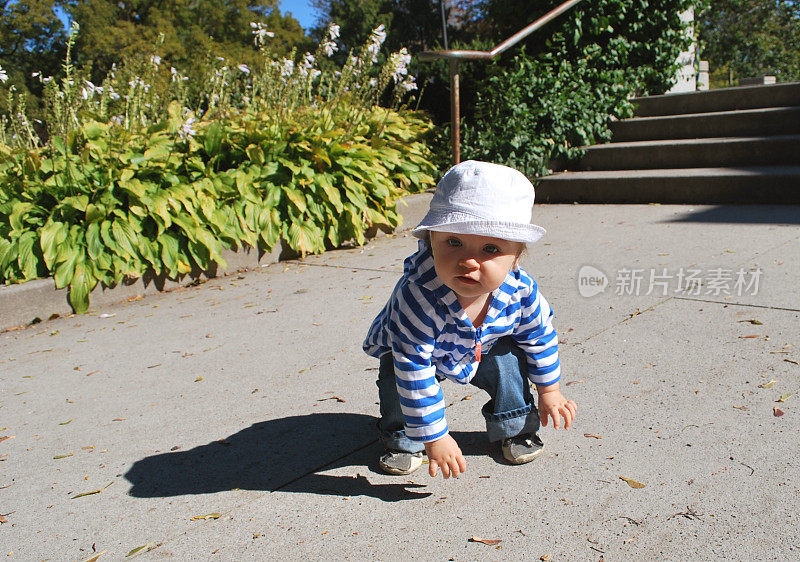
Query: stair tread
(693, 141)
(753, 111)
(760, 88)
(679, 172)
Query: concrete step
(751, 184)
(692, 153)
(748, 122)
(725, 99)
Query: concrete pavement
(233, 419)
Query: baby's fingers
(432, 466)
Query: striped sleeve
(413, 334)
(537, 338)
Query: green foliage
(559, 94)
(542, 110)
(105, 204)
(743, 38)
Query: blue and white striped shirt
(428, 332)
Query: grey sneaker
(399, 462)
(522, 448)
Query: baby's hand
(444, 453)
(553, 404)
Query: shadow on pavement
(282, 455)
(745, 214)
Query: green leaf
(51, 236)
(125, 236)
(83, 281)
(26, 259)
(213, 139)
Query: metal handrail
(456, 56)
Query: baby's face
(472, 265)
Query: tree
(186, 33)
(31, 40)
(751, 37)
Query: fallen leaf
(573, 382)
(96, 556)
(545, 558)
(777, 412)
(206, 517)
(4, 437)
(748, 337)
(62, 456)
(332, 398)
(632, 483)
(198, 379)
(3, 519)
(769, 384)
(490, 542)
(592, 435)
(118, 419)
(791, 361)
(137, 550)
(66, 422)
(753, 321)
(783, 398)
(744, 408)
(95, 492)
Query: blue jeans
(501, 373)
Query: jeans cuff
(398, 441)
(502, 426)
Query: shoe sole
(524, 459)
(398, 471)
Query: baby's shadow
(284, 455)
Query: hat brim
(514, 231)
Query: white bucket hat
(484, 199)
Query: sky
(301, 10)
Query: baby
(464, 310)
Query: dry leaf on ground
(490, 542)
(592, 435)
(206, 517)
(769, 384)
(96, 556)
(137, 550)
(777, 412)
(93, 491)
(784, 397)
(632, 483)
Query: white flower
(373, 82)
(244, 68)
(46, 79)
(329, 47)
(187, 130)
(398, 64)
(314, 73)
(409, 84)
(287, 67)
(3, 75)
(260, 33)
(379, 34)
(333, 31)
(155, 59)
(117, 119)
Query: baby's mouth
(467, 280)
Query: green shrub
(541, 110)
(107, 204)
(287, 153)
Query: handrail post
(455, 111)
(455, 56)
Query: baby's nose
(469, 262)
